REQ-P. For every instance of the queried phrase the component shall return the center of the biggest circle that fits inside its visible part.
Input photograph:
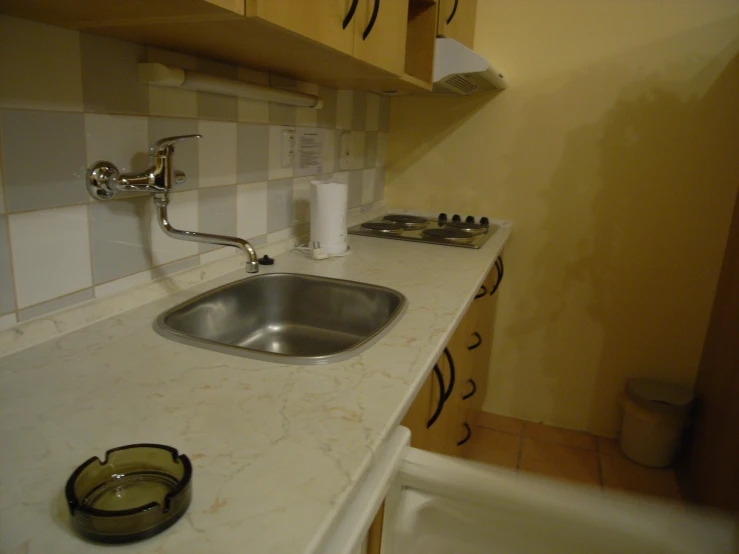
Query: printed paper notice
(309, 152)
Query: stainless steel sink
(286, 318)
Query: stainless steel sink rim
(161, 326)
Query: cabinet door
(382, 42)
(321, 21)
(457, 20)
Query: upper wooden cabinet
(302, 39)
(457, 20)
(320, 21)
(369, 30)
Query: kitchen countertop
(276, 449)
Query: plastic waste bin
(654, 416)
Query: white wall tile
(120, 139)
(251, 210)
(183, 215)
(124, 283)
(7, 321)
(344, 106)
(276, 171)
(217, 153)
(219, 254)
(373, 112)
(382, 139)
(51, 253)
(368, 186)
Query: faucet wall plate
(99, 177)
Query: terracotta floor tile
(621, 473)
(560, 461)
(567, 437)
(493, 447)
(500, 423)
(608, 446)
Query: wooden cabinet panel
(319, 21)
(457, 20)
(384, 45)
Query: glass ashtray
(137, 491)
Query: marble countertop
(276, 449)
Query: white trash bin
(654, 417)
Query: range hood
(459, 70)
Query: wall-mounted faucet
(104, 181)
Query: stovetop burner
(450, 235)
(408, 221)
(384, 228)
(441, 230)
(474, 228)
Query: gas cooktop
(441, 230)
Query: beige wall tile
(559, 461)
(253, 111)
(368, 185)
(120, 139)
(502, 423)
(382, 139)
(2, 189)
(344, 101)
(110, 82)
(39, 66)
(493, 447)
(171, 101)
(579, 439)
(217, 153)
(301, 199)
(373, 112)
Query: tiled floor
(565, 454)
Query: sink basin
(286, 318)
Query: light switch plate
(287, 147)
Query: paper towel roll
(328, 204)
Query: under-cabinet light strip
(166, 76)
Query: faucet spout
(161, 201)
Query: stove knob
(484, 221)
(469, 219)
(442, 217)
(456, 218)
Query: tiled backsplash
(69, 99)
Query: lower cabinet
(444, 414)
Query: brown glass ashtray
(137, 491)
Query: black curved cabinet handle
(469, 434)
(474, 389)
(350, 14)
(483, 292)
(478, 343)
(372, 20)
(499, 268)
(442, 398)
(454, 11)
(452, 374)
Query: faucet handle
(165, 146)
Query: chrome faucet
(104, 181)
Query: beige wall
(616, 152)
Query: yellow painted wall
(616, 152)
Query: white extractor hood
(459, 70)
